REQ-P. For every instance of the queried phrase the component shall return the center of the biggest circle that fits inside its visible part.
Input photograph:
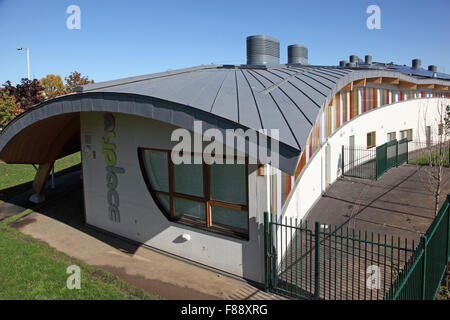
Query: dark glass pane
(157, 168)
(188, 178)
(228, 183)
(230, 219)
(188, 209)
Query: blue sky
(127, 38)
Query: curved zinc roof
(283, 97)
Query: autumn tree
(74, 80)
(28, 92)
(53, 86)
(8, 109)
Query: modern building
(213, 213)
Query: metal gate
(330, 263)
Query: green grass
(15, 174)
(425, 160)
(30, 269)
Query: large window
(213, 196)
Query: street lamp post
(28, 61)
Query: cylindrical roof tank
(432, 68)
(368, 59)
(297, 53)
(416, 64)
(353, 58)
(342, 63)
(263, 50)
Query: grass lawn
(425, 160)
(31, 269)
(15, 174)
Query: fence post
(342, 160)
(424, 241)
(266, 251)
(317, 261)
(396, 153)
(407, 152)
(448, 228)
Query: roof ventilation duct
(342, 63)
(297, 53)
(416, 64)
(432, 68)
(263, 50)
(353, 58)
(368, 59)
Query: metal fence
(334, 263)
(366, 163)
(358, 162)
(390, 155)
(423, 273)
(330, 263)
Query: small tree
(53, 86)
(8, 109)
(28, 92)
(74, 80)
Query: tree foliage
(8, 109)
(75, 79)
(28, 92)
(53, 86)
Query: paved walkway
(60, 224)
(400, 203)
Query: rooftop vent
(368, 59)
(297, 53)
(416, 64)
(263, 50)
(342, 63)
(353, 58)
(432, 68)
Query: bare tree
(436, 150)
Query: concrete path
(60, 224)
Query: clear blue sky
(126, 38)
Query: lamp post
(28, 60)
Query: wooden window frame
(206, 199)
(390, 133)
(408, 134)
(374, 143)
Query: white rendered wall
(311, 184)
(142, 221)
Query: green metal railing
(366, 163)
(358, 162)
(423, 273)
(330, 263)
(390, 155)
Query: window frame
(408, 134)
(394, 133)
(373, 140)
(206, 199)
